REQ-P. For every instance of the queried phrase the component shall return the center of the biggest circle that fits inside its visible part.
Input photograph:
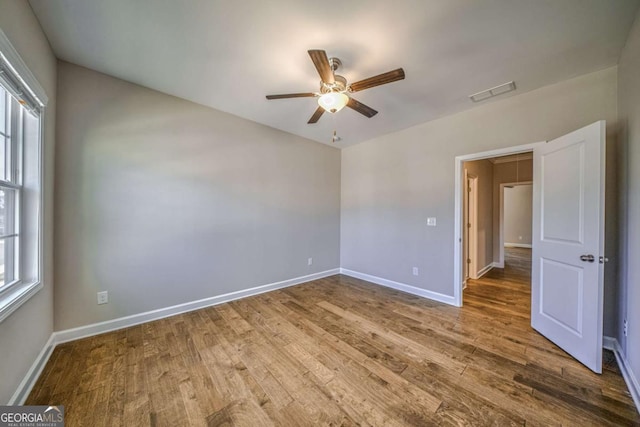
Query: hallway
(505, 290)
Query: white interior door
(568, 243)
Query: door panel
(561, 304)
(568, 223)
(563, 199)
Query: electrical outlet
(415, 271)
(625, 328)
(310, 261)
(519, 237)
(103, 297)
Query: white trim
(16, 296)
(161, 313)
(457, 211)
(29, 380)
(484, 270)
(609, 343)
(466, 274)
(21, 69)
(34, 372)
(472, 232)
(509, 159)
(436, 296)
(633, 384)
(458, 233)
(497, 264)
(517, 245)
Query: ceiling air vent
(494, 91)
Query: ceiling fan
(334, 91)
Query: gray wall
(161, 201)
(629, 166)
(483, 170)
(391, 184)
(518, 211)
(25, 332)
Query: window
(10, 188)
(22, 103)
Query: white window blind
(18, 80)
(12, 82)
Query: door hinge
(468, 260)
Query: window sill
(13, 298)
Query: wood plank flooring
(337, 351)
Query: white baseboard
(161, 313)
(60, 337)
(633, 385)
(609, 343)
(517, 245)
(447, 299)
(29, 380)
(497, 264)
(484, 271)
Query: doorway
(497, 211)
(567, 239)
(515, 217)
(498, 219)
(462, 228)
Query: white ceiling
(230, 54)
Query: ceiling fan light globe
(333, 101)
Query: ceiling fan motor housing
(339, 85)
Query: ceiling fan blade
(291, 95)
(378, 80)
(320, 60)
(361, 108)
(316, 116)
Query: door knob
(587, 258)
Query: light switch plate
(431, 222)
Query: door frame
(472, 232)
(465, 231)
(458, 275)
(500, 262)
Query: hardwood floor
(336, 351)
